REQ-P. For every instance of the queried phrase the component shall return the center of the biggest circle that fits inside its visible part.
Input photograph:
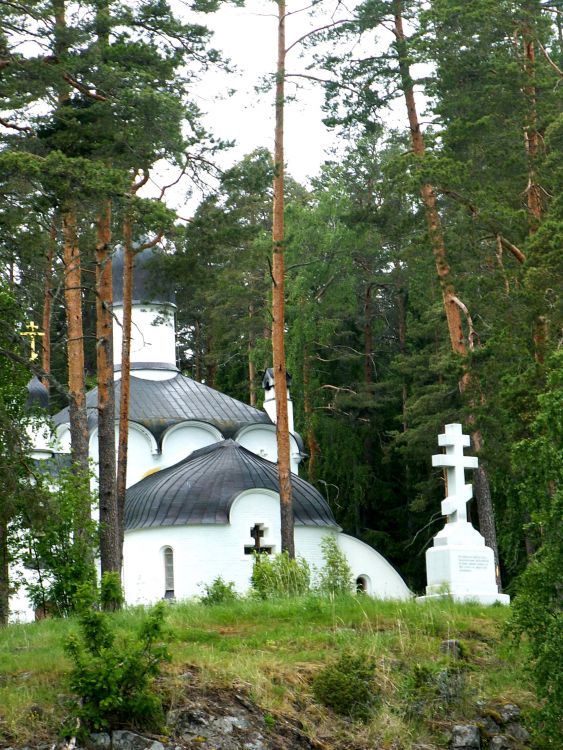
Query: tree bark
(368, 337)
(251, 365)
(531, 135)
(47, 305)
(278, 303)
(401, 298)
(75, 340)
(452, 309)
(123, 442)
(4, 574)
(312, 443)
(110, 549)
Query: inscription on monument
(472, 562)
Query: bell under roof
(201, 489)
(160, 404)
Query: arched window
(363, 584)
(168, 573)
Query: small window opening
(257, 532)
(362, 585)
(168, 573)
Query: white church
(202, 477)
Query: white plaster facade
(204, 552)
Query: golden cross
(32, 331)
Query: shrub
(348, 686)
(111, 592)
(218, 592)
(112, 677)
(336, 576)
(280, 575)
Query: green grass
(272, 650)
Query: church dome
(202, 488)
(149, 281)
(37, 395)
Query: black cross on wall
(257, 532)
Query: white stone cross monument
(459, 564)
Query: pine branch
(13, 126)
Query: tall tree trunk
(251, 365)
(278, 302)
(452, 307)
(110, 550)
(47, 304)
(368, 337)
(4, 573)
(123, 442)
(75, 355)
(198, 374)
(531, 134)
(312, 443)
(401, 298)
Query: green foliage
(60, 556)
(218, 592)
(113, 678)
(348, 686)
(335, 577)
(111, 592)
(537, 611)
(280, 576)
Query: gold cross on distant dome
(32, 331)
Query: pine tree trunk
(198, 374)
(123, 442)
(368, 338)
(532, 137)
(402, 331)
(312, 443)
(75, 342)
(452, 309)
(47, 304)
(278, 293)
(251, 365)
(4, 574)
(110, 548)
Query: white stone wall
(204, 552)
(382, 579)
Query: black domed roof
(201, 489)
(37, 394)
(159, 404)
(149, 281)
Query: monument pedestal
(461, 566)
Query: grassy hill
(272, 651)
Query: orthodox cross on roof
(33, 332)
(458, 493)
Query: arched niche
(261, 440)
(142, 452)
(185, 438)
(253, 510)
(363, 584)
